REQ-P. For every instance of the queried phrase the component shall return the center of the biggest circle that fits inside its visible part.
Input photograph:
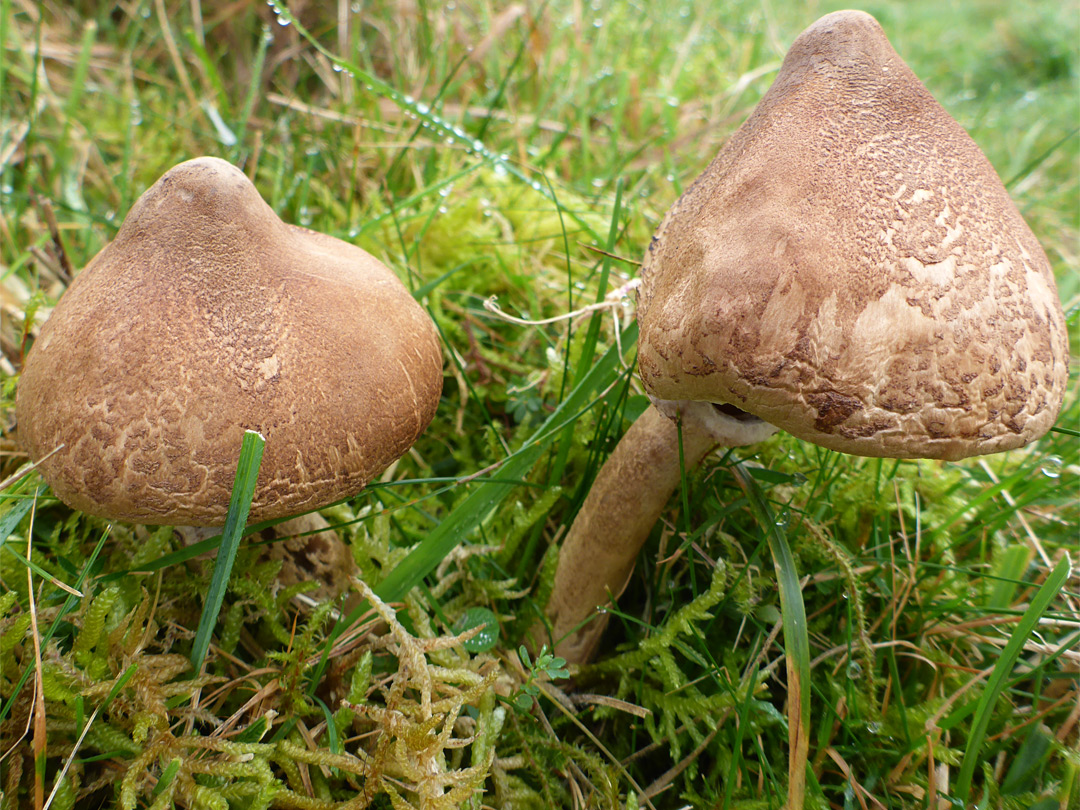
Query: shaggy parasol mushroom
(849, 269)
(208, 316)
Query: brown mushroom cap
(851, 269)
(207, 316)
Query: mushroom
(207, 316)
(849, 269)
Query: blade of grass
(588, 349)
(41, 572)
(167, 776)
(5, 12)
(402, 204)
(740, 727)
(499, 97)
(996, 683)
(1039, 159)
(986, 494)
(569, 289)
(426, 289)
(1032, 755)
(796, 639)
(1009, 573)
(247, 471)
(7, 525)
(71, 193)
(22, 179)
(39, 741)
(210, 72)
(419, 128)
(240, 125)
(17, 512)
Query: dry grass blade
(40, 743)
(26, 469)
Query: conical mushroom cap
(851, 269)
(207, 316)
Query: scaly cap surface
(206, 316)
(851, 269)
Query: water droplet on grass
(1051, 467)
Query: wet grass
(526, 153)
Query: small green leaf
(479, 617)
(556, 672)
(768, 613)
(255, 732)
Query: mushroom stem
(618, 514)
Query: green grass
(484, 151)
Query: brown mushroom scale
(849, 269)
(207, 316)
